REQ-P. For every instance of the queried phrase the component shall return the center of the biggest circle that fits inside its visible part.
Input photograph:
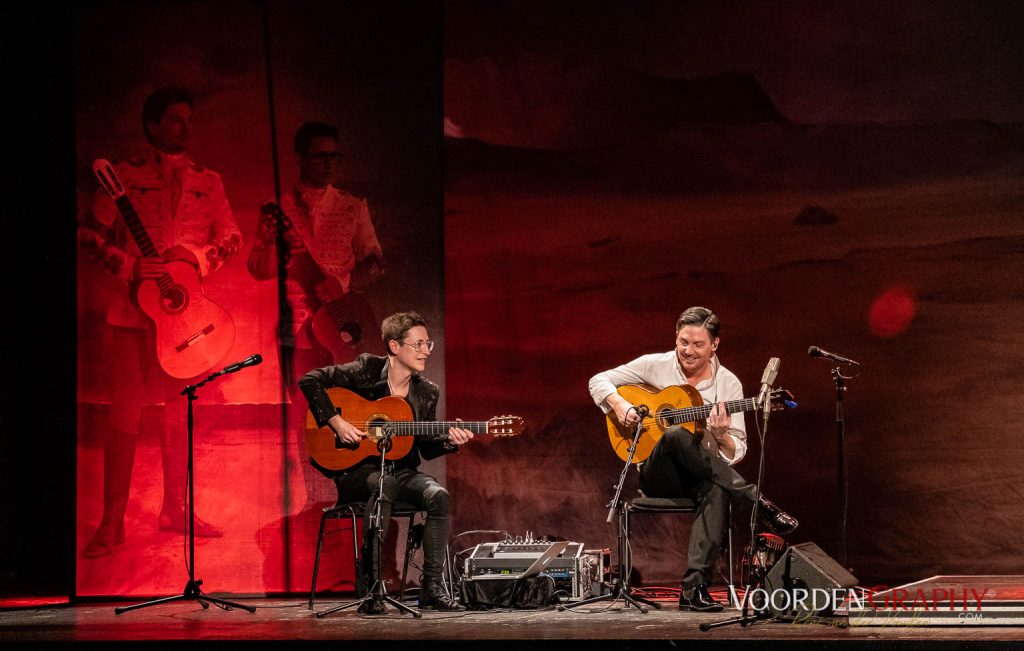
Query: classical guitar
(192, 332)
(388, 417)
(675, 405)
(346, 326)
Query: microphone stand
(621, 587)
(377, 591)
(839, 378)
(841, 470)
(193, 588)
(746, 617)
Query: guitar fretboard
(142, 239)
(425, 428)
(694, 414)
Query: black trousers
(404, 485)
(680, 467)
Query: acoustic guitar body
(669, 398)
(332, 457)
(347, 327)
(193, 333)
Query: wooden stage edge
(288, 622)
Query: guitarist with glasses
(682, 464)
(183, 210)
(396, 374)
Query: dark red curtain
(812, 183)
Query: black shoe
(775, 518)
(374, 606)
(433, 597)
(697, 598)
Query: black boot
(365, 579)
(775, 518)
(433, 597)
(365, 571)
(698, 599)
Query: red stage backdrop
(373, 72)
(818, 175)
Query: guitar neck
(694, 414)
(136, 228)
(142, 239)
(427, 428)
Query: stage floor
(288, 621)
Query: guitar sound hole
(378, 431)
(351, 333)
(664, 422)
(174, 300)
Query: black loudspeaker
(806, 582)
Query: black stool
(665, 506)
(352, 510)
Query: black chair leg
(409, 551)
(316, 561)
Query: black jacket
(367, 376)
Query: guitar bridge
(195, 338)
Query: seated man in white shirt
(683, 465)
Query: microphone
(251, 360)
(643, 411)
(771, 371)
(814, 351)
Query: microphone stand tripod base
(191, 591)
(378, 593)
(618, 590)
(745, 617)
(742, 620)
(621, 587)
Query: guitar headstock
(781, 398)
(104, 172)
(506, 426)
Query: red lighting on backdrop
(892, 312)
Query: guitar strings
(697, 411)
(408, 427)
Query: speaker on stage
(810, 577)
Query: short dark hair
(156, 104)
(398, 325)
(702, 317)
(311, 130)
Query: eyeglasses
(420, 346)
(322, 157)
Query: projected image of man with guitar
(692, 437)
(161, 223)
(332, 253)
(352, 405)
